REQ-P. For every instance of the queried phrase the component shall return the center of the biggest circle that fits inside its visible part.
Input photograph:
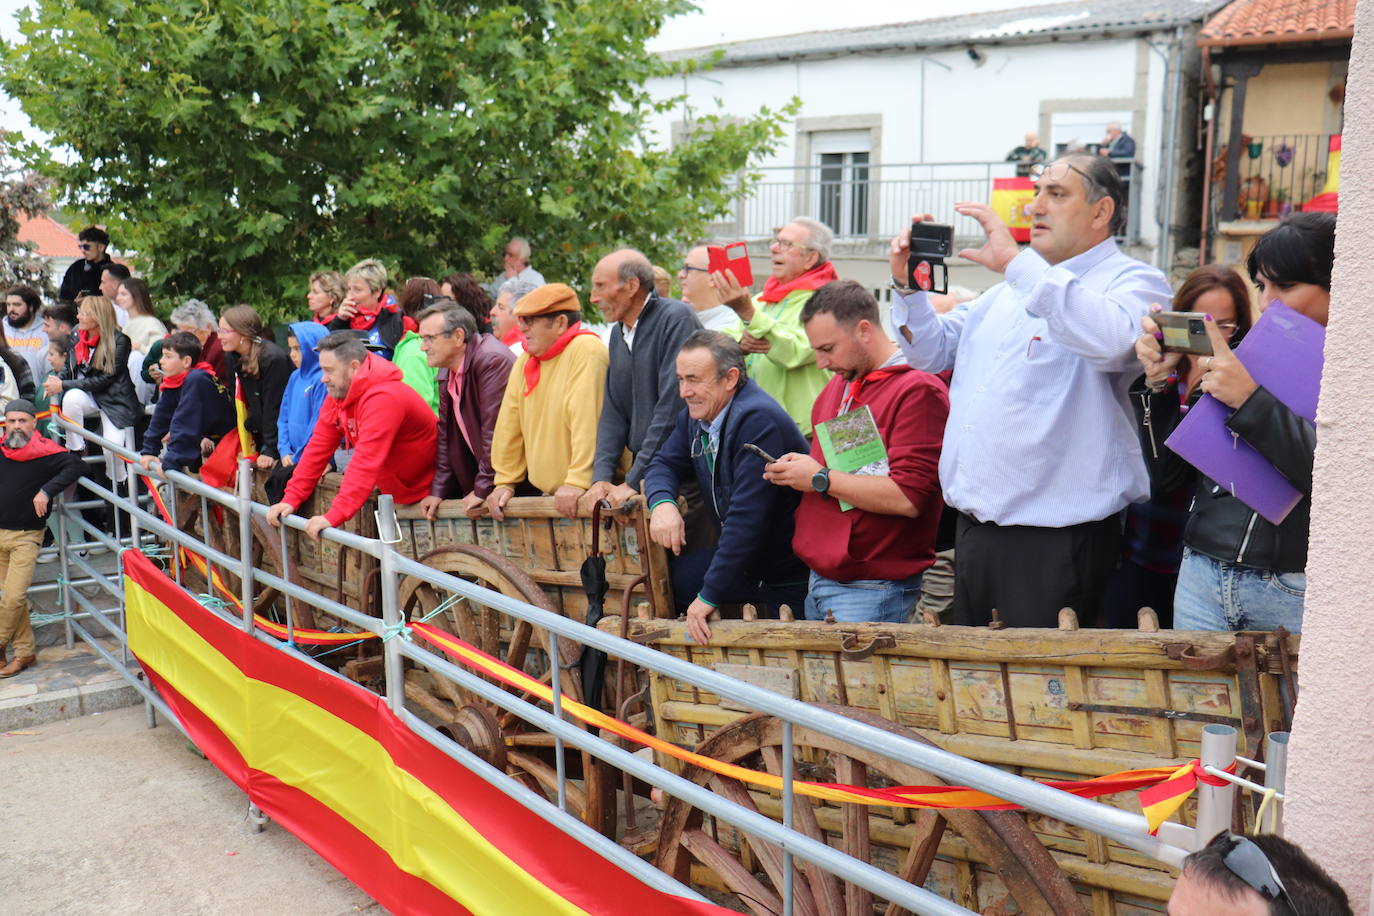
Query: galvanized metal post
(205, 539)
(172, 511)
(245, 496)
(558, 749)
(1276, 776)
(66, 571)
(787, 877)
(286, 595)
(1214, 803)
(391, 605)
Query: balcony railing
(1273, 175)
(867, 202)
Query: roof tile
(1275, 21)
(52, 239)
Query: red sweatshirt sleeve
(377, 428)
(318, 451)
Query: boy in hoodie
(300, 404)
(193, 406)
(371, 410)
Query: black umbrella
(596, 586)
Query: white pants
(143, 389)
(77, 405)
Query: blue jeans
(1213, 595)
(878, 600)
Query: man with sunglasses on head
(1255, 876)
(83, 276)
(1040, 455)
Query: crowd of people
(996, 456)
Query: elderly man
(1041, 455)
(83, 276)
(473, 369)
(867, 533)
(370, 308)
(34, 470)
(389, 427)
(505, 325)
(1117, 144)
(546, 433)
(515, 262)
(780, 358)
(1264, 875)
(24, 328)
(641, 386)
(700, 293)
(1028, 154)
(752, 561)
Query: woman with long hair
(261, 369)
(1152, 545)
(96, 380)
(142, 328)
(466, 291)
(1240, 571)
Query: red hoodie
(392, 432)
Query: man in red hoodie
(370, 410)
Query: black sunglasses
(1249, 863)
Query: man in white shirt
(697, 291)
(515, 261)
(1040, 451)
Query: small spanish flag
(1010, 197)
(221, 468)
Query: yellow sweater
(550, 436)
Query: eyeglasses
(785, 245)
(1249, 863)
(1057, 171)
(430, 338)
(688, 268)
(1228, 327)
(84, 245)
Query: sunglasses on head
(1248, 862)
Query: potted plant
(1285, 205)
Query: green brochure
(851, 443)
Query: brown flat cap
(547, 299)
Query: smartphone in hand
(767, 458)
(930, 244)
(734, 256)
(1184, 332)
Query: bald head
(621, 282)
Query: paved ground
(105, 816)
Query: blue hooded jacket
(304, 396)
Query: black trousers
(1029, 574)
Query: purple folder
(1283, 352)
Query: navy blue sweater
(753, 515)
(199, 408)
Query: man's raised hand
(999, 248)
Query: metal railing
(873, 202)
(1272, 176)
(1173, 843)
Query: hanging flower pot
(1283, 155)
(1254, 149)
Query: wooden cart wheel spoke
(824, 886)
(994, 846)
(547, 777)
(768, 855)
(752, 892)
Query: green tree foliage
(22, 193)
(239, 145)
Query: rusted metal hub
(477, 730)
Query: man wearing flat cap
(546, 435)
(473, 368)
(34, 470)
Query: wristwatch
(820, 481)
(901, 288)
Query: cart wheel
(498, 736)
(995, 865)
(267, 556)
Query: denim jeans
(1213, 595)
(879, 600)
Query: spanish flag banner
(1010, 197)
(221, 468)
(328, 760)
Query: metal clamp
(851, 652)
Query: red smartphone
(734, 256)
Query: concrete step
(63, 684)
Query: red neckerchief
(532, 364)
(856, 387)
(776, 291)
(410, 324)
(513, 336)
(175, 381)
(324, 319)
(366, 318)
(37, 447)
(86, 342)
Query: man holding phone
(720, 441)
(1040, 452)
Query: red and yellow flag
(328, 760)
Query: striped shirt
(1040, 432)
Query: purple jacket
(457, 470)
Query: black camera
(931, 243)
